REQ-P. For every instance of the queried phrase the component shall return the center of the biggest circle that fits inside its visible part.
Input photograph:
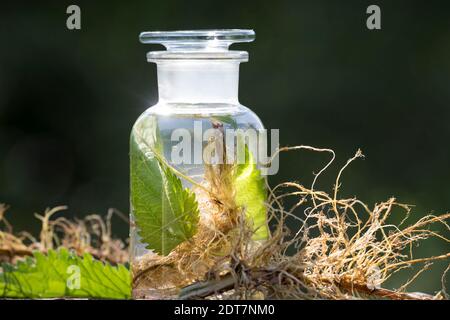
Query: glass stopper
(198, 40)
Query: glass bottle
(186, 183)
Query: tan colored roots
(210, 247)
(89, 235)
(342, 249)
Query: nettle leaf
(64, 274)
(251, 194)
(165, 213)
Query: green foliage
(165, 213)
(251, 194)
(55, 275)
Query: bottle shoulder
(239, 114)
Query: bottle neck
(198, 81)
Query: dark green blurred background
(68, 99)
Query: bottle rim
(197, 44)
(221, 36)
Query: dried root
(11, 246)
(211, 245)
(89, 235)
(342, 250)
